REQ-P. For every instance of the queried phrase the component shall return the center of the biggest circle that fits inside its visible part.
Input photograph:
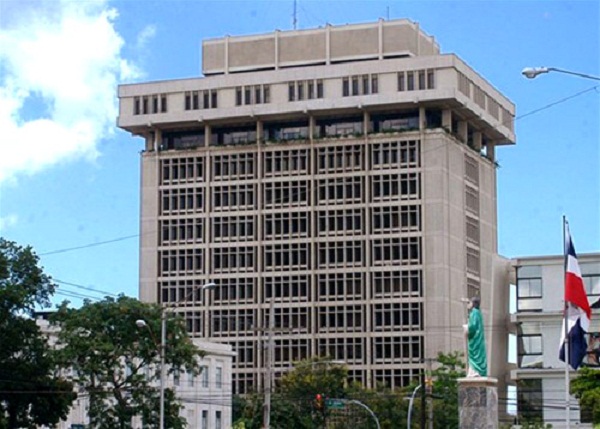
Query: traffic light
(320, 402)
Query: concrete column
(463, 131)
(478, 402)
(447, 119)
(422, 119)
(490, 151)
(207, 132)
(366, 117)
(157, 139)
(477, 138)
(259, 131)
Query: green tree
(445, 389)
(586, 388)
(118, 364)
(30, 393)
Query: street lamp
(163, 345)
(533, 72)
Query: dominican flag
(577, 308)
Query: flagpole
(566, 329)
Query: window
(397, 316)
(233, 228)
(341, 318)
(591, 283)
(233, 259)
(204, 420)
(359, 85)
(473, 261)
(287, 288)
(234, 197)
(234, 166)
(289, 256)
(155, 104)
(234, 322)
(286, 225)
(410, 81)
(399, 283)
(340, 158)
(403, 154)
(472, 200)
(529, 288)
(136, 106)
(319, 89)
(291, 91)
(218, 423)
(341, 286)
(286, 194)
(396, 250)
(401, 81)
(341, 254)
(340, 222)
(237, 289)
(238, 96)
(180, 230)
(395, 378)
(349, 350)
(178, 262)
(530, 349)
(218, 377)
(340, 190)
(181, 170)
(403, 186)
(163, 103)
(404, 218)
(422, 82)
(530, 399)
(393, 350)
(204, 377)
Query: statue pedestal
(478, 403)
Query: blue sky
(70, 179)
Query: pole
(163, 371)
(423, 396)
(566, 333)
(268, 372)
(429, 389)
(410, 406)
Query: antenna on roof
(295, 15)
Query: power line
(84, 287)
(85, 246)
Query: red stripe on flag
(575, 293)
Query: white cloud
(61, 65)
(8, 221)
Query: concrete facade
(354, 186)
(540, 375)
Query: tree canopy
(118, 364)
(30, 393)
(586, 388)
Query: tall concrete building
(339, 181)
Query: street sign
(335, 403)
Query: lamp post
(163, 345)
(533, 72)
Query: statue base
(478, 403)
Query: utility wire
(84, 287)
(85, 246)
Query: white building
(206, 398)
(540, 375)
